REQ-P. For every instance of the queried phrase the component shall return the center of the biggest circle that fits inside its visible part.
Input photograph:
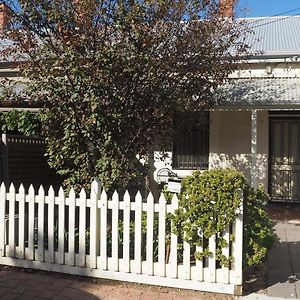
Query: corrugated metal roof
(274, 35)
(259, 92)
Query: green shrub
(20, 122)
(258, 228)
(209, 203)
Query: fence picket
(167, 270)
(82, 228)
(162, 236)
(138, 234)
(94, 225)
(237, 244)
(186, 260)
(224, 272)
(212, 259)
(173, 247)
(199, 262)
(61, 227)
(31, 220)
(149, 241)
(51, 205)
(115, 231)
(103, 230)
(2, 219)
(12, 221)
(21, 248)
(72, 205)
(126, 233)
(41, 207)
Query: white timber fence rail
(113, 238)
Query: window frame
(197, 157)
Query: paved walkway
(284, 258)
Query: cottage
(254, 124)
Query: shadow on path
(25, 285)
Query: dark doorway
(284, 159)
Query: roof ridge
(270, 17)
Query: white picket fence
(94, 237)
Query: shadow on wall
(241, 162)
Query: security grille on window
(191, 141)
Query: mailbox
(174, 185)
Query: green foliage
(143, 236)
(20, 122)
(168, 195)
(209, 203)
(110, 75)
(258, 229)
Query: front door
(285, 159)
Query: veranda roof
(259, 92)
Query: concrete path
(284, 257)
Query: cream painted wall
(230, 142)
(268, 70)
(230, 132)
(230, 145)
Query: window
(191, 140)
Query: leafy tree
(111, 74)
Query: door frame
(283, 115)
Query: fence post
(2, 219)
(149, 243)
(51, 224)
(72, 209)
(82, 228)
(174, 240)
(162, 236)
(22, 229)
(115, 232)
(41, 224)
(61, 226)
(126, 233)
(12, 221)
(103, 231)
(138, 233)
(95, 225)
(31, 219)
(238, 243)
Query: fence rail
(110, 238)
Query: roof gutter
(274, 56)
(30, 109)
(275, 107)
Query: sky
(262, 8)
